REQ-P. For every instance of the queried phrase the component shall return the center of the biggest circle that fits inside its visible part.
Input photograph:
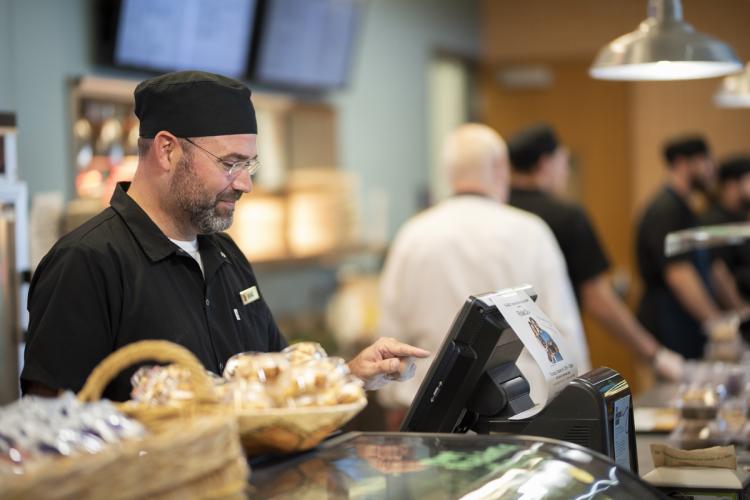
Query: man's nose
(243, 182)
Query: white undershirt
(191, 248)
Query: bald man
(469, 244)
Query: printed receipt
(546, 361)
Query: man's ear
(166, 149)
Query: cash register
(474, 384)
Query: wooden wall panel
(578, 28)
(591, 118)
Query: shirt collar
(212, 255)
(475, 194)
(152, 240)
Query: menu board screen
(307, 43)
(169, 35)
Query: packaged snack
(33, 429)
(336, 368)
(698, 402)
(697, 434)
(160, 385)
(300, 376)
(262, 367)
(302, 352)
(351, 391)
(246, 394)
(300, 380)
(329, 397)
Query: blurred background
(354, 99)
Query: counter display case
(437, 466)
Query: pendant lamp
(664, 47)
(734, 91)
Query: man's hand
(722, 328)
(387, 359)
(669, 364)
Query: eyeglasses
(231, 168)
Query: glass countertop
(437, 466)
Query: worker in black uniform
(155, 264)
(731, 206)
(682, 293)
(540, 173)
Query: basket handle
(147, 350)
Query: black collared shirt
(118, 279)
(660, 311)
(584, 254)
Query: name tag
(249, 295)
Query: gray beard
(207, 221)
(200, 208)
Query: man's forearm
(686, 285)
(601, 302)
(725, 286)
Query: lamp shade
(664, 47)
(734, 91)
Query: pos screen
(478, 340)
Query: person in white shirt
(470, 244)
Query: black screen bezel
(479, 338)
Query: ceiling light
(664, 47)
(734, 91)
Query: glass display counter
(437, 466)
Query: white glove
(723, 328)
(669, 364)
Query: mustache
(233, 195)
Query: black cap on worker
(194, 104)
(527, 146)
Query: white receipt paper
(546, 361)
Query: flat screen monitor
(173, 35)
(478, 340)
(306, 43)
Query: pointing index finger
(399, 349)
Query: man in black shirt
(731, 207)
(155, 265)
(679, 302)
(540, 171)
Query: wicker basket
(275, 430)
(154, 417)
(196, 459)
(191, 452)
(286, 430)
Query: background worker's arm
(726, 287)
(600, 301)
(686, 284)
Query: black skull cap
(194, 104)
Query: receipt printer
(474, 384)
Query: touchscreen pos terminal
(474, 384)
